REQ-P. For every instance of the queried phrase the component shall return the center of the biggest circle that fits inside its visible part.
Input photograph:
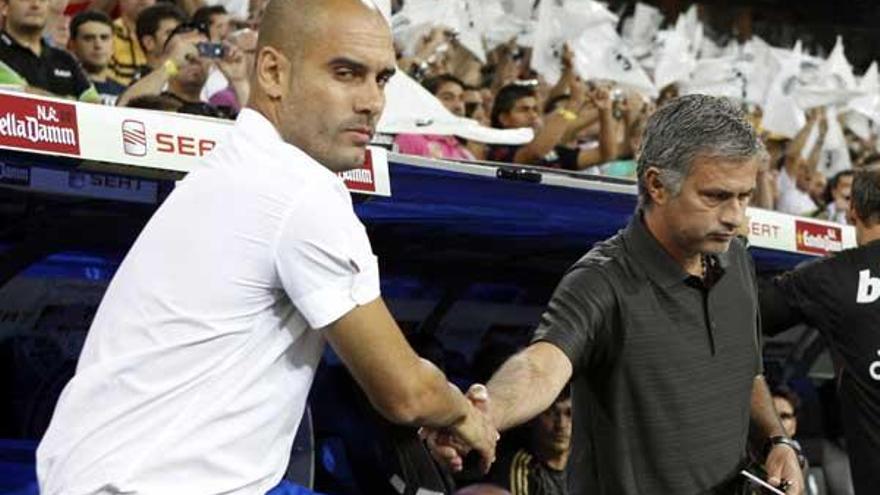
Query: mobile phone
(210, 50)
(755, 479)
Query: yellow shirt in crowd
(127, 53)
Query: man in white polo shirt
(196, 369)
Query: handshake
(475, 432)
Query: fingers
(444, 448)
(783, 468)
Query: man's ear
(851, 216)
(272, 72)
(655, 187)
(148, 43)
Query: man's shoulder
(61, 57)
(607, 258)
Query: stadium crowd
(195, 57)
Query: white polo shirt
(196, 369)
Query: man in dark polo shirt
(27, 61)
(840, 296)
(659, 328)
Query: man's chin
(716, 246)
(349, 161)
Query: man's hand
(782, 465)
(476, 432)
(182, 47)
(233, 65)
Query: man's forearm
(435, 402)
(763, 414)
(151, 84)
(522, 388)
(544, 142)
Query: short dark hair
(203, 14)
(788, 394)
(828, 193)
(88, 16)
(149, 19)
(154, 102)
(432, 84)
(866, 193)
(506, 99)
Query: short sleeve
(324, 259)
(577, 318)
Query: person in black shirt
(539, 468)
(658, 328)
(840, 296)
(26, 59)
(91, 40)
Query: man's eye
(344, 74)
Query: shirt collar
(10, 41)
(657, 263)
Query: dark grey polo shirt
(663, 366)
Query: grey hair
(865, 194)
(691, 127)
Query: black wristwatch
(784, 440)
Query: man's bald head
(320, 74)
(292, 25)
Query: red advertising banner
(39, 125)
(361, 179)
(816, 238)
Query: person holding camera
(179, 56)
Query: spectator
(154, 27)
(539, 468)
(448, 89)
(128, 54)
(184, 72)
(830, 470)
(58, 30)
(91, 41)
(217, 90)
(29, 62)
(473, 105)
(837, 196)
(216, 19)
(797, 173)
(516, 105)
(818, 185)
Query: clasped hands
(475, 432)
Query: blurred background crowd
(582, 76)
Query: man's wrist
(784, 441)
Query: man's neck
(31, 40)
(658, 227)
(869, 234)
(94, 73)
